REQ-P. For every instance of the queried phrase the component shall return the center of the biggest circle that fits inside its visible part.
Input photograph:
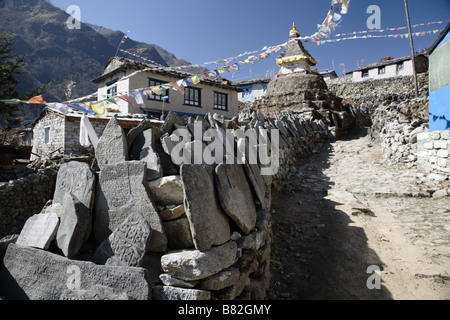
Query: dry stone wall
(155, 228)
(399, 121)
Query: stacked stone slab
(190, 231)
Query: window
(192, 97)
(47, 135)
(220, 101)
(365, 73)
(154, 83)
(247, 92)
(112, 92)
(382, 70)
(400, 66)
(112, 88)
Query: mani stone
(191, 265)
(258, 183)
(76, 178)
(39, 231)
(209, 224)
(142, 149)
(75, 226)
(122, 189)
(97, 292)
(112, 146)
(235, 196)
(32, 274)
(175, 293)
(126, 246)
(167, 190)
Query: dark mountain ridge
(58, 54)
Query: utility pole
(412, 50)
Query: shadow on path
(316, 252)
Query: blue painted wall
(440, 109)
(439, 73)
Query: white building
(207, 96)
(253, 89)
(389, 68)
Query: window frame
(152, 82)
(192, 102)
(365, 73)
(219, 105)
(47, 132)
(111, 91)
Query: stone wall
(400, 122)
(377, 90)
(23, 197)
(433, 149)
(198, 231)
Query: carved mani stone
(126, 246)
(75, 178)
(122, 189)
(32, 274)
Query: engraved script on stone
(126, 246)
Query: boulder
(167, 190)
(209, 224)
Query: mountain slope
(58, 55)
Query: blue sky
(207, 30)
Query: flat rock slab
(183, 294)
(97, 292)
(75, 178)
(75, 226)
(32, 274)
(39, 231)
(191, 265)
(209, 224)
(126, 246)
(121, 190)
(178, 234)
(112, 146)
(235, 196)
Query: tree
(12, 65)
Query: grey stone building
(56, 133)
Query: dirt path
(343, 212)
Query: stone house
(389, 68)
(440, 82)
(253, 89)
(208, 96)
(58, 134)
